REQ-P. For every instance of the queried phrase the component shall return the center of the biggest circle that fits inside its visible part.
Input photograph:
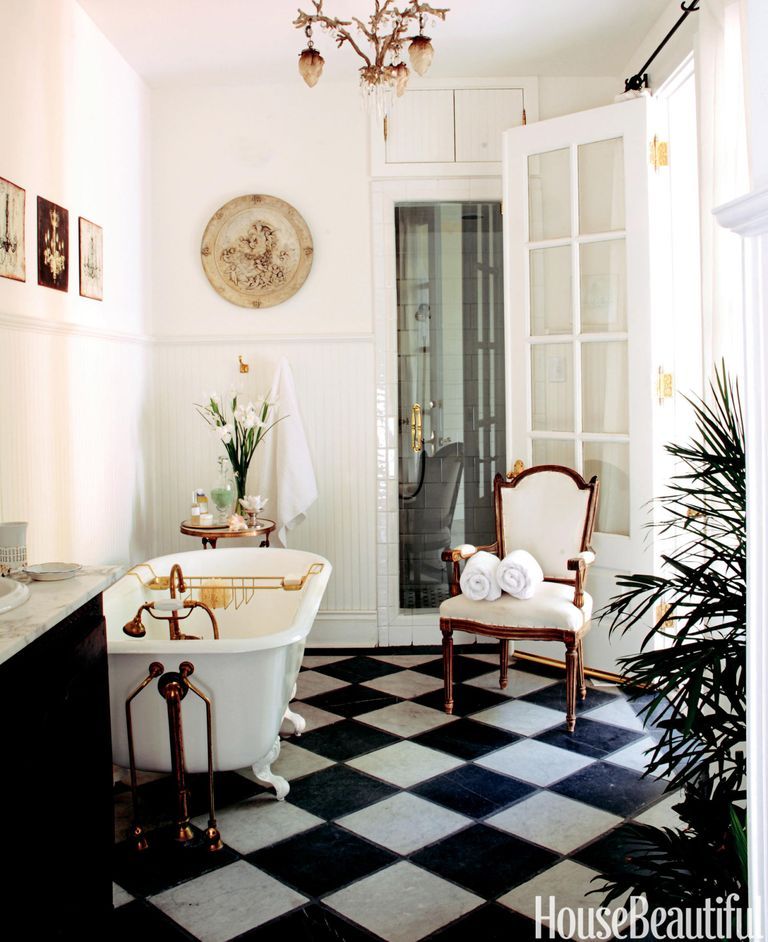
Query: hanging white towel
(286, 475)
(478, 580)
(519, 574)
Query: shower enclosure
(451, 385)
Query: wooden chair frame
(578, 564)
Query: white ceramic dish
(52, 572)
(12, 594)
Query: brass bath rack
(224, 591)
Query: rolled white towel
(478, 581)
(519, 574)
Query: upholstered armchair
(549, 511)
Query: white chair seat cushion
(551, 607)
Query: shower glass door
(451, 386)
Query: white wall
(73, 387)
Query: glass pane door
(450, 383)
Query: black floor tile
(312, 924)
(491, 923)
(534, 667)
(141, 920)
(336, 791)
(157, 799)
(464, 668)
(590, 738)
(554, 698)
(346, 740)
(352, 701)
(322, 860)
(356, 670)
(609, 850)
(466, 700)
(621, 791)
(164, 863)
(484, 860)
(466, 739)
(474, 791)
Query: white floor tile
(259, 822)
(486, 658)
(312, 683)
(554, 822)
(404, 823)
(406, 660)
(405, 763)
(661, 815)
(120, 896)
(227, 902)
(634, 755)
(520, 717)
(295, 762)
(617, 713)
(405, 684)
(520, 683)
(314, 716)
(321, 660)
(406, 718)
(403, 903)
(534, 762)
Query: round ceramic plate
(257, 250)
(51, 572)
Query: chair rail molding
(748, 216)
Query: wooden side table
(211, 535)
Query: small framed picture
(52, 245)
(91, 260)
(13, 263)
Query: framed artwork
(12, 247)
(91, 260)
(257, 251)
(52, 245)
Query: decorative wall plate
(257, 251)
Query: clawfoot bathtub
(265, 602)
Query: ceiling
(226, 41)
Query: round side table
(211, 535)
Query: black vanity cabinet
(56, 781)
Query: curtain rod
(640, 80)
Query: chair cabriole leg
(503, 663)
(582, 680)
(571, 671)
(445, 627)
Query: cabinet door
(420, 127)
(580, 319)
(482, 115)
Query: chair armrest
(455, 555)
(579, 564)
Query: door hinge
(661, 610)
(386, 128)
(664, 386)
(658, 153)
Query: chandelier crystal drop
(378, 41)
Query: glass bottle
(223, 493)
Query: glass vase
(224, 492)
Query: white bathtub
(249, 674)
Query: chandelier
(379, 45)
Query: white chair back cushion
(545, 514)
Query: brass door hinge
(386, 128)
(664, 386)
(659, 153)
(661, 610)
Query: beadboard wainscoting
(76, 433)
(334, 378)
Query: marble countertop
(49, 603)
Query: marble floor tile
(617, 713)
(120, 896)
(405, 763)
(406, 718)
(406, 684)
(311, 683)
(520, 717)
(520, 683)
(294, 761)
(535, 762)
(314, 716)
(554, 822)
(259, 822)
(405, 660)
(634, 756)
(321, 660)
(662, 815)
(404, 823)
(403, 903)
(223, 904)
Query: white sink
(12, 594)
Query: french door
(581, 328)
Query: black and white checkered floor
(402, 823)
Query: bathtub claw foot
(297, 721)
(267, 777)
